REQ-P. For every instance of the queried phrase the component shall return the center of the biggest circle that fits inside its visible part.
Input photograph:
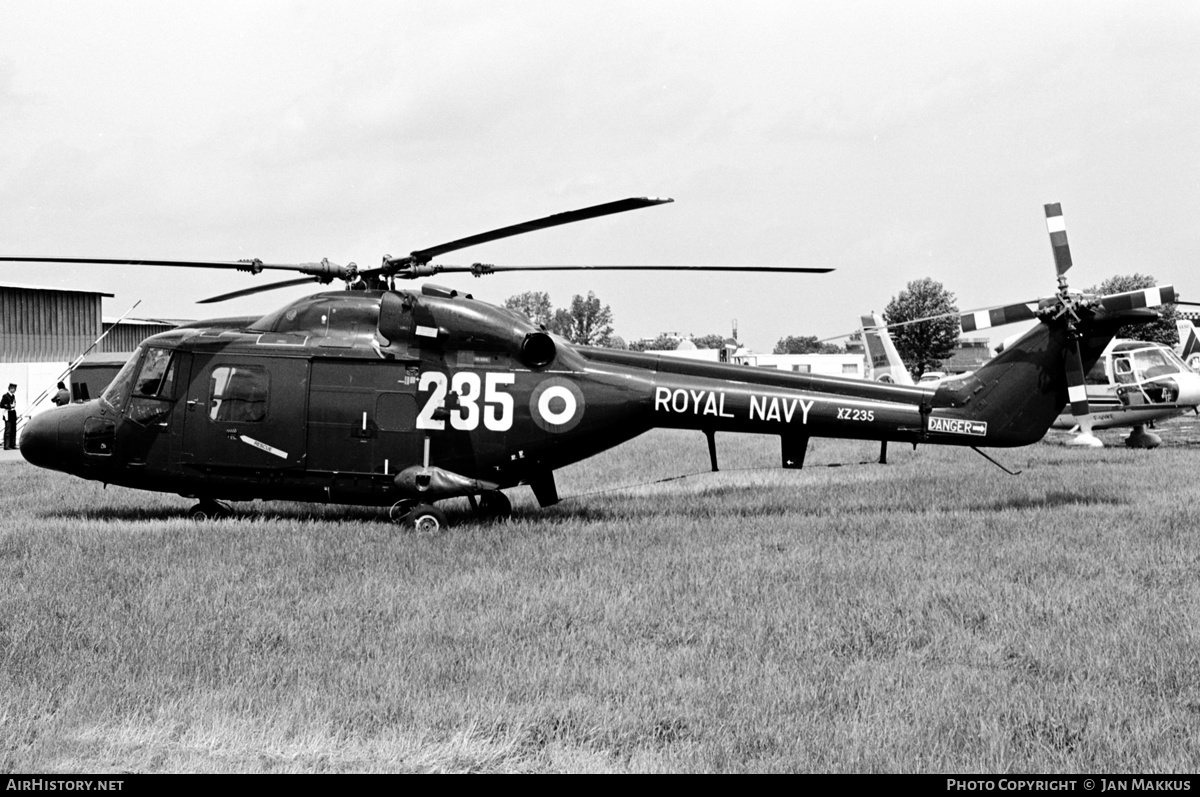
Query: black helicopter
(401, 398)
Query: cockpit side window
(1123, 370)
(156, 375)
(153, 390)
(1149, 363)
(118, 390)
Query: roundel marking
(556, 405)
(546, 405)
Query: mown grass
(933, 615)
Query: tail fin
(886, 365)
(1189, 343)
(1020, 392)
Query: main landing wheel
(421, 518)
(494, 505)
(208, 510)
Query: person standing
(8, 406)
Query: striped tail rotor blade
(1057, 228)
(998, 316)
(1076, 387)
(1132, 300)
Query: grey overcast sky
(891, 141)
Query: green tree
(587, 323)
(534, 304)
(1161, 331)
(926, 345)
(663, 342)
(806, 344)
(562, 323)
(713, 341)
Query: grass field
(931, 615)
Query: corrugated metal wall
(126, 336)
(46, 326)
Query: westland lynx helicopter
(403, 398)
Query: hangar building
(43, 330)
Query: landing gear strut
(1141, 437)
(494, 505)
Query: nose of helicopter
(54, 439)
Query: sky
(889, 141)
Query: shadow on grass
(121, 514)
(1051, 500)
(116, 513)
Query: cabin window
(238, 394)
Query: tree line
(588, 322)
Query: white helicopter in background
(1189, 343)
(1134, 383)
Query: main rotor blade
(323, 269)
(241, 265)
(224, 297)
(1057, 228)
(479, 269)
(620, 206)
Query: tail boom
(1011, 401)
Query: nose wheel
(209, 510)
(428, 519)
(421, 518)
